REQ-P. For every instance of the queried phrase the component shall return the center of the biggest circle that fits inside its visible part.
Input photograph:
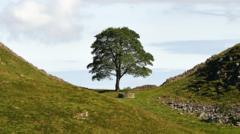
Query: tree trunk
(117, 88)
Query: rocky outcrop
(218, 75)
(208, 113)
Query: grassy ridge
(218, 79)
(32, 101)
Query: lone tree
(118, 51)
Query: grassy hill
(148, 100)
(31, 101)
(218, 79)
(199, 86)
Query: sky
(56, 35)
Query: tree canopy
(117, 52)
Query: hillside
(32, 101)
(193, 99)
(219, 74)
(210, 90)
(218, 78)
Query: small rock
(203, 116)
(81, 116)
(126, 95)
(130, 95)
(121, 95)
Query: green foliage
(118, 51)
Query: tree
(117, 52)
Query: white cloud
(222, 8)
(57, 21)
(34, 25)
(168, 1)
(54, 21)
(31, 13)
(67, 6)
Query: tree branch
(126, 70)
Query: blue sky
(56, 35)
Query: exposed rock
(220, 71)
(126, 95)
(81, 116)
(130, 95)
(208, 113)
(203, 116)
(121, 95)
(219, 74)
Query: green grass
(148, 101)
(216, 80)
(218, 77)
(31, 101)
(181, 88)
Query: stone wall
(208, 113)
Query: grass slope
(204, 76)
(148, 100)
(32, 101)
(217, 79)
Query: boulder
(204, 116)
(126, 95)
(130, 95)
(121, 95)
